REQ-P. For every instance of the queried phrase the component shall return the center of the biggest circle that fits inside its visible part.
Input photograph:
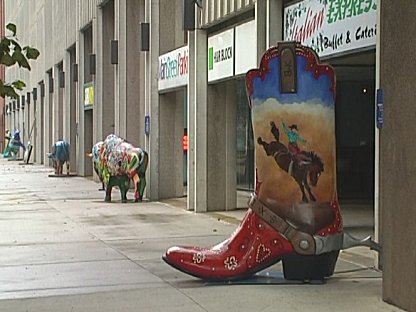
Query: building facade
(171, 80)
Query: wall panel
(216, 11)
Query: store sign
(332, 26)
(88, 95)
(245, 47)
(221, 55)
(174, 69)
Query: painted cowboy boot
(294, 215)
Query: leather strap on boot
(302, 242)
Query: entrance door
(355, 139)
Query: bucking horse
(306, 172)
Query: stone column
(104, 109)
(70, 104)
(81, 54)
(152, 98)
(274, 22)
(397, 151)
(197, 122)
(129, 73)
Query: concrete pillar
(216, 147)
(191, 98)
(58, 97)
(32, 120)
(152, 98)
(88, 126)
(40, 125)
(397, 152)
(221, 147)
(274, 22)
(82, 68)
(269, 29)
(104, 111)
(231, 146)
(70, 103)
(13, 122)
(197, 122)
(166, 111)
(22, 125)
(260, 12)
(377, 232)
(119, 101)
(66, 105)
(32, 123)
(26, 120)
(54, 96)
(129, 74)
(48, 135)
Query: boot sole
(219, 279)
(295, 267)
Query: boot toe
(190, 260)
(254, 246)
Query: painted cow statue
(60, 156)
(116, 162)
(13, 145)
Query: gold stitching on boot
(199, 258)
(230, 263)
(265, 252)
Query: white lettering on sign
(174, 68)
(332, 26)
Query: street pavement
(62, 248)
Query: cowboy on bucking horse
(305, 167)
(293, 137)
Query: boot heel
(299, 267)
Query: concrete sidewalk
(62, 248)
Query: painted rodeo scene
(294, 215)
(117, 162)
(295, 134)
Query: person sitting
(294, 137)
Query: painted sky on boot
(310, 88)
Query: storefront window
(245, 145)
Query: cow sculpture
(13, 145)
(116, 162)
(60, 156)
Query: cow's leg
(142, 183)
(59, 166)
(56, 166)
(124, 185)
(108, 189)
(136, 181)
(140, 179)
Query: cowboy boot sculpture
(294, 215)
